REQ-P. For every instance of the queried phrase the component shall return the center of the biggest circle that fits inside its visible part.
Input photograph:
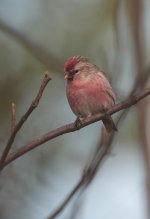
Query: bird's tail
(109, 124)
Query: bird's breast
(88, 98)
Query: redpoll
(88, 90)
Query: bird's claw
(78, 123)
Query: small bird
(88, 90)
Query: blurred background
(38, 36)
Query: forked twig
(18, 126)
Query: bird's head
(74, 66)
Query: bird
(88, 90)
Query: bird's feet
(78, 123)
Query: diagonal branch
(68, 198)
(24, 118)
(71, 127)
(37, 51)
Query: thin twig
(71, 127)
(13, 116)
(24, 118)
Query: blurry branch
(23, 119)
(137, 11)
(78, 186)
(13, 116)
(89, 172)
(38, 52)
(64, 129)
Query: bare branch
(71, 127)
(24, 118)
(13, 116)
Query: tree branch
(71, 127)
(23, 119)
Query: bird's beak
(65, 76)
(68, 76)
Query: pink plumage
(88, 90)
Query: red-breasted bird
(88, 90)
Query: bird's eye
(75, 71)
